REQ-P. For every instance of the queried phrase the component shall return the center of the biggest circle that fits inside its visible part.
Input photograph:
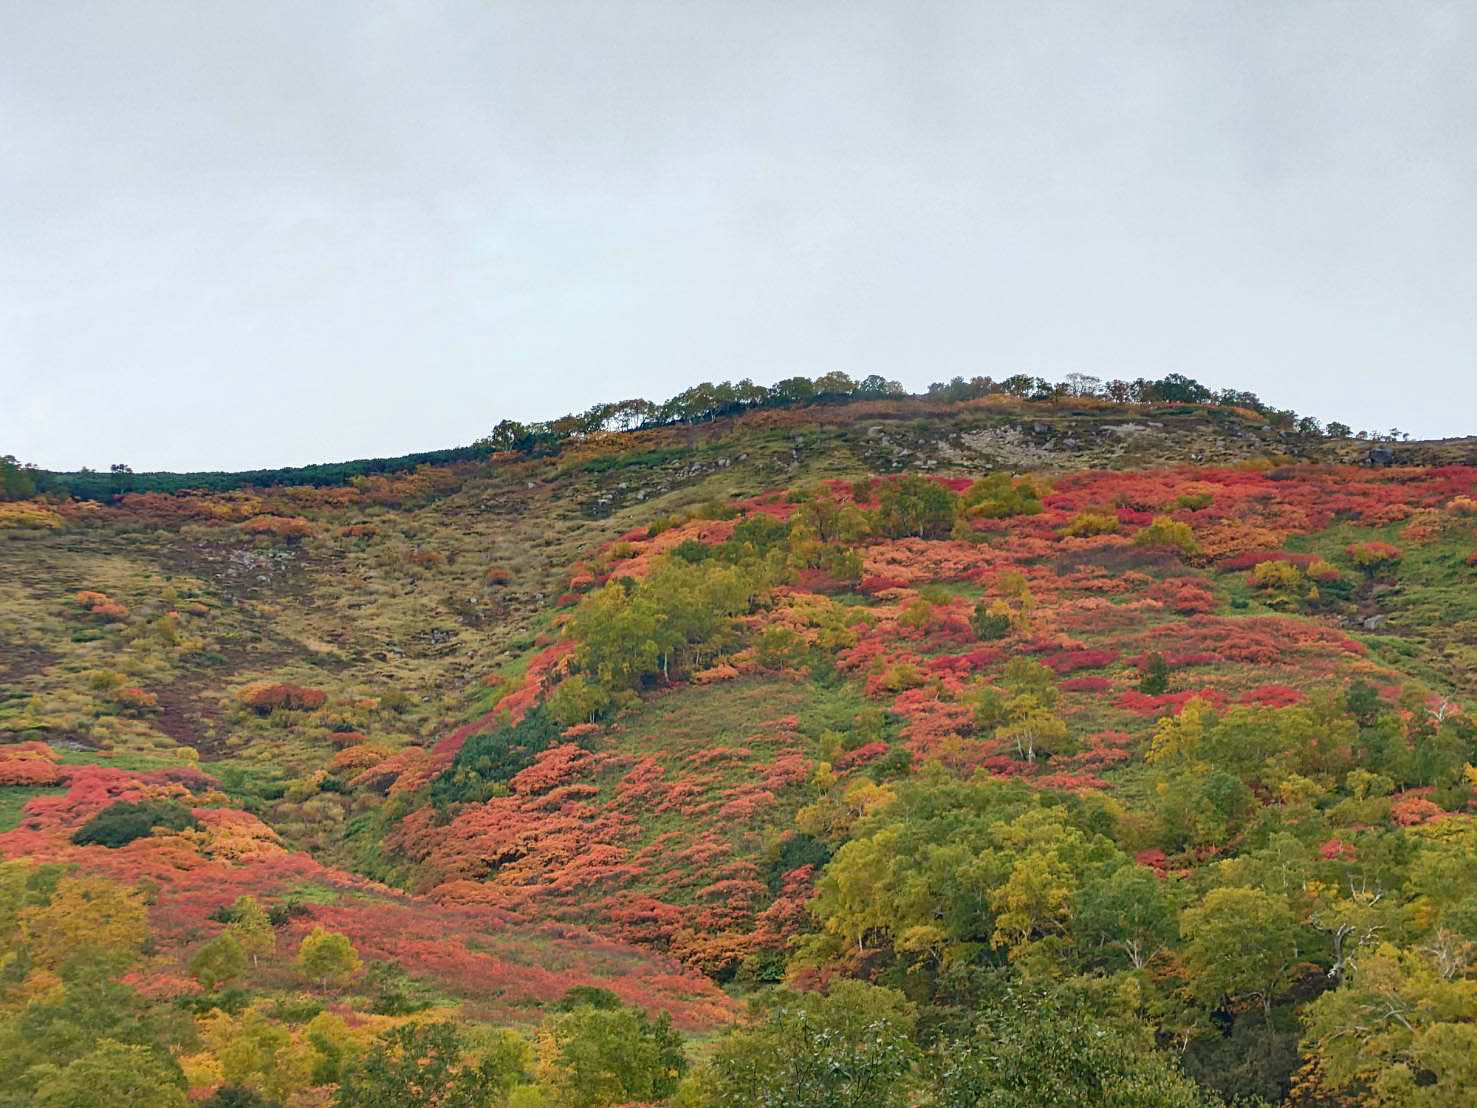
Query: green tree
(257, 1052)
(64, 1025)
(489, 760)
(425, 1066)
(219, 962)
(951, 869)
(1239, 942)
(915, 506)
(1363, 702)
(23, 885)
(679, 614)
(851, 1048)
(1000, 496)
(327, 957)
(1125, 913)
(990, 621)
(334, 1048)
(1029, 725)
(17, 481)
(252, 928)
(1034, 731)
(1155, 681)
(605, 1056)
(1031, 1050)
(110, 1075)
(1397, 1031)
(577, 700)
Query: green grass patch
(310, 892)
(137, 763)
(634, 459)
(13, 800)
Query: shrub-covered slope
(1148, 719)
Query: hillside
(956, 737)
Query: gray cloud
(274, 233)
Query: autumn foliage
(1186, 746)
(270, 698)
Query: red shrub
(1071, 782)
(1069, 661)
(1336, 850)
(1185, 595)
(1412, 808)
(1086, 684)
(1273, 696)
(861, 755)
(1146, 705)
(1154, 859)
(1100, 757)
(961, 664)
(816, 580)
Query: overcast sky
(248, 234)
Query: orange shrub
(136, 699)
(721, 671)
(396, 491)
(264, 699)
(357, 758)
(289, 528)
(29, 763)
(102, 606)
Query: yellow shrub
(28, 516)
(1276, 575)
(1087, 524)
